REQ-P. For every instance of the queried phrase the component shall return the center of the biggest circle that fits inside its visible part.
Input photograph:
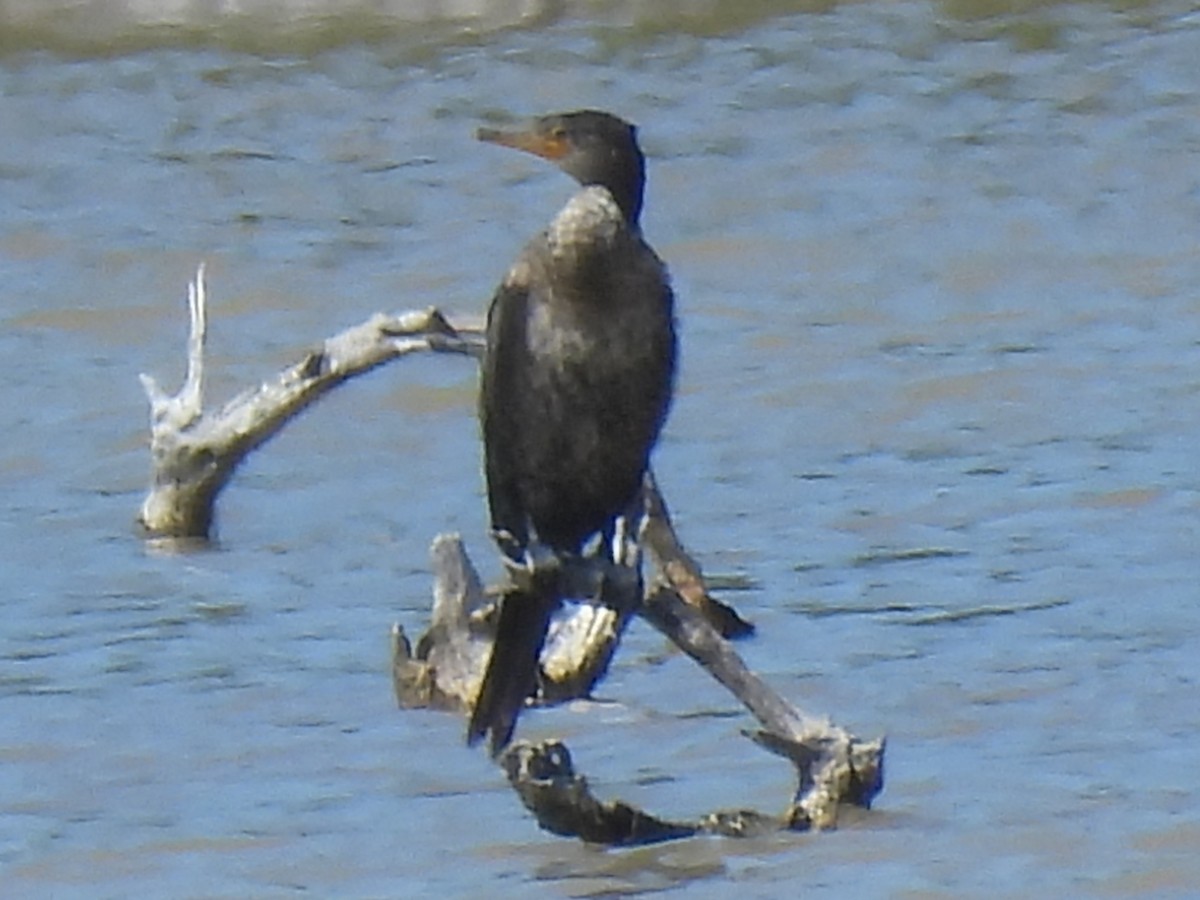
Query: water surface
(938, 415)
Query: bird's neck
(629, 198)
(586, 231)
(627, 185)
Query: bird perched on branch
(576, 383)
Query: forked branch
(195, 453)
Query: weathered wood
(680, 570)
(194, 453)
(447, 666)
(544, 777)
(834, 768)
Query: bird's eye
(558, 133)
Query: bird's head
(594, 147)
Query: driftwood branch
(194, 453)
(445, 668)
(834, 769)
(544, 777)
(680, 570)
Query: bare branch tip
(150, 386)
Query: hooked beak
(552, 146)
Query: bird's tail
(511, 674)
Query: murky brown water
(937, 267)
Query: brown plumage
(575, 386)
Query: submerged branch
(544, 777)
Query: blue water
(938, 415)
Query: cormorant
(576, 383)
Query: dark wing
(511, 674)
(501, 385)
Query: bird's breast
(558, 334)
